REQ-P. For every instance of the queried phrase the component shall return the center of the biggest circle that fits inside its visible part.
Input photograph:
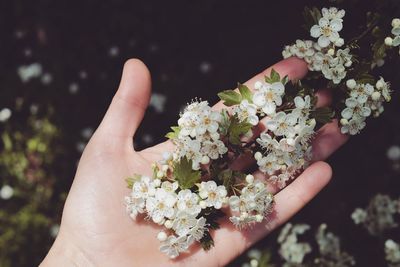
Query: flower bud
(376, 95)
(259, 218)
(160, 174)
(164, 168)
(258, 155)
(249, 179)
(203, 204)
(162, 236)
(205, 160)
(157, 182)
(253, 263)
(388, 41)
(257, 85)
(344, 122)
(380, 84)
(168, 224)
(396, 23)
(331, 52)
(351, 84)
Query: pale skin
(95, 229)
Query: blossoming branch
(195, 185)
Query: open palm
(95, 229)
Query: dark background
(193, 49)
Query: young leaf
(237, 129)
(131, 180)
(212, 216)
(323, 115)
(207, 241)
(185, 175)
(275, 76)
(227, 179)
(225, 122)
(230, 97)
(175, 132)
(245, 92)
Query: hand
(95, 229)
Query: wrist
(65, 253)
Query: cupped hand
(95, 229)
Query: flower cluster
(395, 41)
(179, 210)
(285, 145)
(364, 100)
(323, 55)
(198, 137)
(253, 204)
(392, 251)
(196, 184)
(378, 217)
(292, 251)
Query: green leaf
(207, 241)
(237, 129)
(227, 179)
(225, 122)
(245, 92)
(323, 115)
(285, 80)
(273, 77)
(212, 216)
(230, 97)
(131, 180)
(311, 17)
(185, 175)
(175, 132)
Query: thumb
(129, 104)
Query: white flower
(269, 164)
(282, 124)
(161, 206)
(384, 87)
(214, 149)
(183, 222)
(303, 49)
(174, 245)
(355, 125)
(267, 142)
(197, 231)
(332, 13)
(303, 106)
(359, 216)
(246, 112)
(134, 206)
(6, 192)
(392, 251)
(344, 56)
(269, 96)
(336, 73)
(169, 187)
(213, 195)
(197, 119)
(327, 31)
(5, 114)
(355, 109)
(188, 201)
(144, 188)
(361, 92)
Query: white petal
(323, 22)
(347, 113)
(323, 41)
(315, 31)
(336, 25)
